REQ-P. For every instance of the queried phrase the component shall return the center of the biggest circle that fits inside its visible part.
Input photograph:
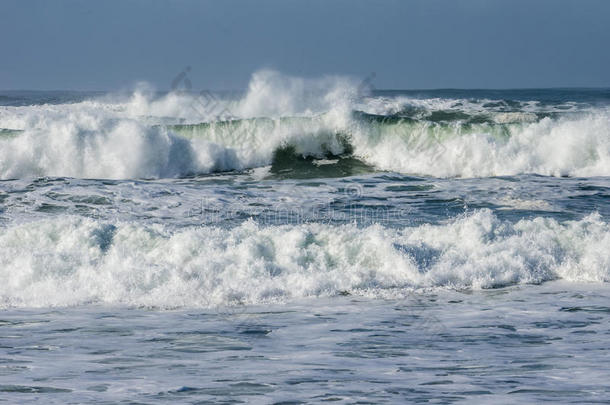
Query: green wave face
(324, 146)
(335, 139)
(340, 143)
(231, 133)
(287, 164)
(9, 133)
(409, 130)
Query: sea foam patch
(69, 261)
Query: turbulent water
(305, 240)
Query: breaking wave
(72, 261)
(182, 134)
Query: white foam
(566, 146)
(96, 147)
(271, 94)
(74, 261)
(117, 137)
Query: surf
(143, 135)
(67, 261)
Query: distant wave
(181, 134)
(105, 148)
(72, 261)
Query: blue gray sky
(409, 44)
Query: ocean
(304, 241)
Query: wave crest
(73, 261)
(172, 136)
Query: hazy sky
(106, 45)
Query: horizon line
(374, 89)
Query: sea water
(305, 240)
